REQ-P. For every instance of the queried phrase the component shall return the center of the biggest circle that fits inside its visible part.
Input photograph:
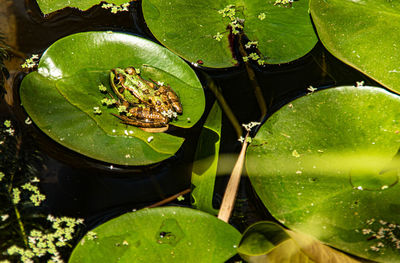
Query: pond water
(81, 187)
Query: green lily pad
(285, 34)
(362, 34)
(60, 97)
(166, 234)
(267, 241)
(49, 6)
(205, 165)
(327, 165)
(260, 239)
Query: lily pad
(60, 97)
(49, 6)
(267, 241)
(327, 164)
(285, 34)
(166, 234)
(362, 34)
(205, 165)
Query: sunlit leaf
(49, 6)
(61, 96)
(268, 242)
(285, 34)
(327, 164)
(363, 34)
(167, 234)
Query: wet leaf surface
(60, 97)
(285, 34)
(327, 164)
(363, 34)
(49, 6)
(167, 234)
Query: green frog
(149, 105)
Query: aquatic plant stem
(10, 193)
(13, 51)
(323, 65)
(225, 107)
(231, 189)
(21, 226)
(17, 214)
(253, 80)
(169, 199)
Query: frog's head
(118, 78)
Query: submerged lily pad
(283, 33)
(327, 164)
(60, 97)
(363, 34)
(267, 241)
(166, 234)
(49, 6)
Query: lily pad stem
(224, 105)
(231, 189)
(253, 80)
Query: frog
(149, 104)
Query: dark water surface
(78, 186)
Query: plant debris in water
(116, 8)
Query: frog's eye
(119, 78)
(130, 71)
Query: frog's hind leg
(148, 114)
(141, 123)
(170, 101)
(169, 94)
